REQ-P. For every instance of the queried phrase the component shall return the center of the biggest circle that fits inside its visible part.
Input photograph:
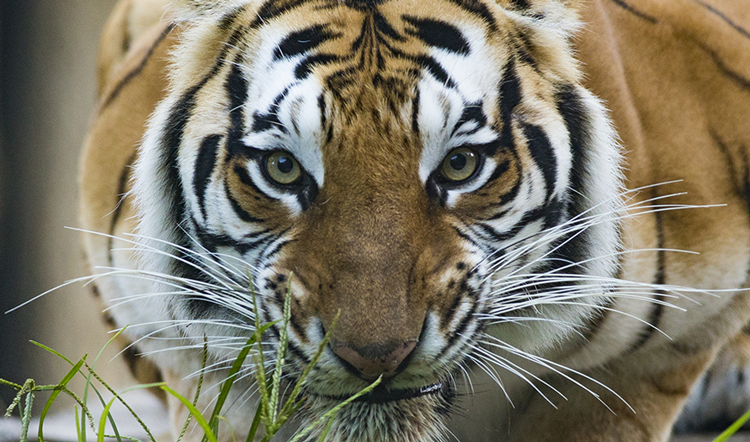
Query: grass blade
(88, 383)
(101, 399)
(254, 426)
(198, 389)
(281, 353)
(236, 366)
(103, 421)
(324, 434)
(54, 352)
(78, 426)
(26, 420)
(330, 414)
(193, 411)
(56, 393)
(735, 427)
(300, 382)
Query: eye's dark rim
(442, 181)
(294, 185)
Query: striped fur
(537, 278)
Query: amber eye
(460, 164)
(283, 168)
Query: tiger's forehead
(396, 75)
(350, 48)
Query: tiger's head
(431, 173)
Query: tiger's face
(427, 175)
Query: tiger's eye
(460, 164)
(283, 168)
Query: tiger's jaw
(415, 419)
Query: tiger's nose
(371, 361)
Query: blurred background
(47, 94)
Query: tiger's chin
(384, 415)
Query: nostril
(371, 361)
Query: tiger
(530, 219)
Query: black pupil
(285, 165)
(458, 161)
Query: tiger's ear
(191, 9)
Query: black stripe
(227, 20)
(477, 8)
(272, 9)
(467, 238)
(291, 346)
(577, 121)
(268, 254)
(657, 310)
(137, 70)
(741, 183)
(462, 326)
(127, 39)
(364, 35)
(236, 88)
(472, 112)
(513, 193)
(435, 69)
(438, 34)
(363, 5)
(297, 328)
(637, 13)
(270, 120)
(451, 313)
(594, 323)
(415, 113)
(212, 241)
(519, 4)
(322, 109)
(238, 210)
(121, 191)
(247, 181)
(305, 67)
(726, 19)
(734, 76)
(204, 167)
(556, 211)
(524, 51)
(385, 28)
(308, 192)
(302, 41)
(529, 217)
(510, 97)
(541, 151)
(499, 171)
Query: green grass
(271, 412)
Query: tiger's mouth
(383, 394)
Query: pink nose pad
(372, 363)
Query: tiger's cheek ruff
(586, 244)
(540, 157)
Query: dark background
(47, 93)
